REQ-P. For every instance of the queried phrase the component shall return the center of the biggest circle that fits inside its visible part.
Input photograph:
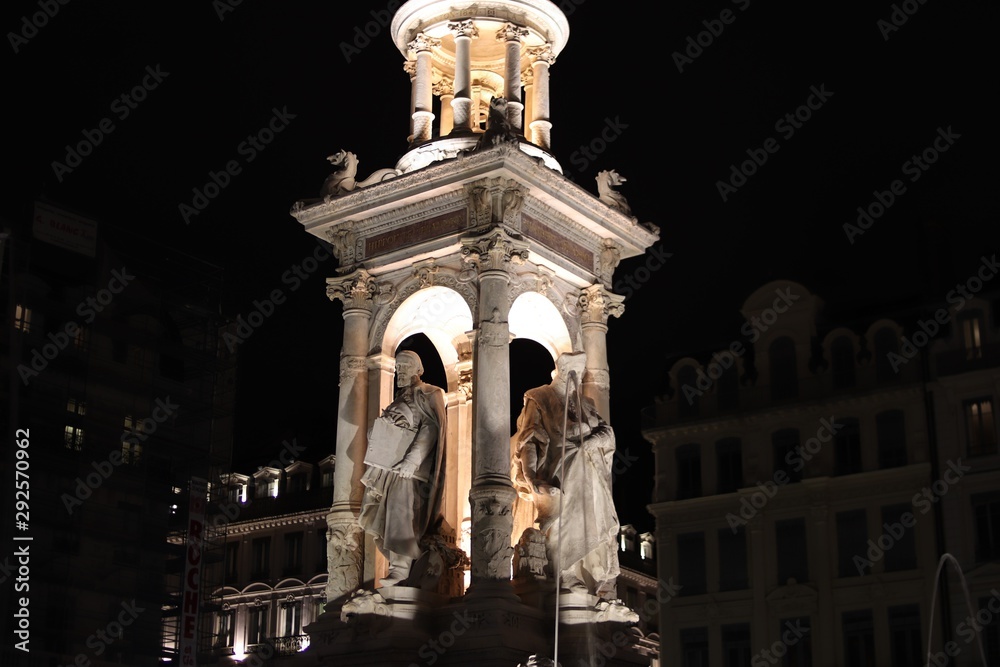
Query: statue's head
(408, 367)
(571, 362)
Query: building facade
(809, 478)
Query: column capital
(444, 86)
(357, 290)
(423, 42)
(511, 33)
(543, 54)
(465, 28)
(528, 77)
(495, 252)
(596, 304)
(410, 67)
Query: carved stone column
(410, 67)
(345, 538)
(464, 32)
(596, 304)
(528, 79)
(445, 89)
(511, 36)
(541, 127)
(423, 98)
(492, 495)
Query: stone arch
(533, 316)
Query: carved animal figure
(607, 181)
(498, 128)
(344, 179)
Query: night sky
(680, 116)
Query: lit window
(82, 338)
(73, 435)
(971, 338)
(76, 407)
(980, 427)
(226, 629)
(129, 423)
(327, 478)
(22, 318)
(292, 612)
(131, 453)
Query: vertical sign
(192, 574)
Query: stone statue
(607, 181)
(344, 180)
(498, 127)
(404, 480)
(547, 467)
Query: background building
(810, 475)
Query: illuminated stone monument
(473, 238)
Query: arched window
(784, 374)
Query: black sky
(679, 134)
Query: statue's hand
(405, 469)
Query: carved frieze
(492, 524)
(344, 555)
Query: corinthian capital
(511, 33)
(542, 53)
(596, 304)
(357, 290)
(466, 28)
(496, 252)
(444, 86)
(423, 42)
(410, 67)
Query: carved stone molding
(444, 86)
(492, 524)
(607, 261)
(596, 304)
(511, 203)
(344, 240)
(543, 53)
(423, 42)
(511, 33)
(466, 28)
(351, 367)
(410, 67)
(424, 272)
(345, 541)
(356, 290)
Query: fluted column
(596, 304)
(511, 36)
(410, 67)
(464, 32)
(345, 546)
(492, 495)
(445, 89)
(541, 127)
(423, 98)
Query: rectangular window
(691, 563)
(327, 478)
(792, 550)
(890, 429)
(226, 629)
(859, 638)
(732, 559)
(261, 558)
(971, 337)
(796, 635)
(898, 525)
(991, 630)
(22, 318)
(293, 553)
(980, 426)
(292, 621)
(688, 471)
(986, 514)
(736, 645)
(787, 457)
(256, 625)
(847, 447)
(73, 436)
(81, 340)
(694, 647)
(904, 636)
(76, 407)
(296, 483)
(852, 544)
(729, 465)
(131, 453)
